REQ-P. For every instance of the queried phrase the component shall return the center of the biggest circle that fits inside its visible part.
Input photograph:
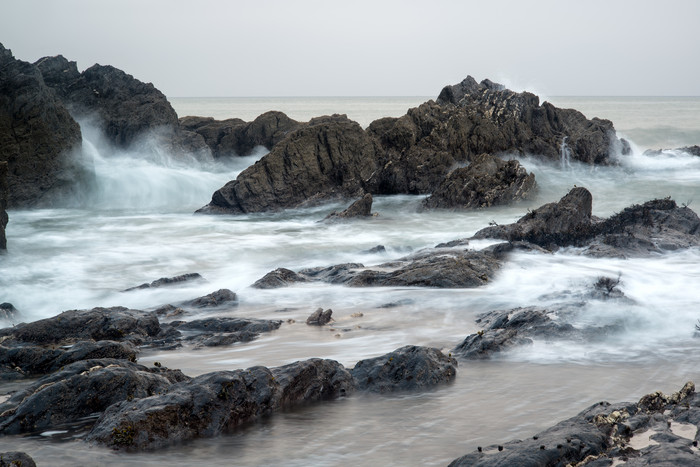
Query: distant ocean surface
(650, 122)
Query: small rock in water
(377, 249)
(319, 317)
(167, 281)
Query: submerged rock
(360, 208)
(487, 181)
(212, 332)
(163, 281)
(653, 227)
(429, 268)
(645, 433)
(408, 368)
(39, 139)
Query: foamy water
(139, 225)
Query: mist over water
(139, 225)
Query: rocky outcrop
(126, 109)
(443, 268)
(39, 139)
(217, 402)
(81, 390)
(487, 181)
(3, 205)
(691, 150)
(659, 429)
(234, 137)
(360, 208)
(517, 122)
(332, 157)
(655, 226)
(213, 300)
(408, 368)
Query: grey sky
(365, 48)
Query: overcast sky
(370, 48)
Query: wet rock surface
(16, 459)
(222, 297)
(4, 191)
(487, 181)
(655, 226)
(164, 281)
(39, 139)
(126, 109)
(213, 332)
(440, 268)
(234, 137)
(659, 430)
(360, 208)
(407, 368)
(320, 317)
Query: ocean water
(139, 226)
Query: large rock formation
(655, 226)
(3, 205)
(234, 137)
(126, 109)
(487, 181)
(39, 139)
(331, 157)
(413, 154)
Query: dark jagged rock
(125, 108)
(692, 150)
(217, 402)
(320, 317)
(655, 226)
(360, 208)
(487, 181)
(163, 281)
(377, 249)
(39, 139)
(116, 323)
(429, 268)
(214, 299)
(234, 137)
(8, 311)
(16, 459)
(280, 277)
(332, 157)
(212, 332)
(80, 390)
(407, 368)
(518, 122)
(605, 434)
(22, 360)
(4, 192)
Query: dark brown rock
(39, 139)
(360, 208)
(320, 317)
(487, 181)
(280, 277)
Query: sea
(139, 225)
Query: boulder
(115, 323)
(16, 459)
(320, 317)
(360, 208)
(280, 277)
(606, 434)
(165, 281)
(653, 227)
(127, 110)
(487, 181)
(3, 204)
(215, 299)
(234, 137)
(81, 390)
(407, 368)
(330, 158)
(429, 268)
(217, 402)
(39, 139)
(512, 121)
